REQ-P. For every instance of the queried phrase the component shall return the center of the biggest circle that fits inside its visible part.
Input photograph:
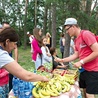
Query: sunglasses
(68, 28)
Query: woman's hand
(45, 79)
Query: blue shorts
(89, 80)
(4, 90)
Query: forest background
(50, 15)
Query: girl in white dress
(46, 56)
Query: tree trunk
(45, 20)
(25, 19)
(67, 39)
(54, 25)
(49, 25)
(83, 2)
(35, 18)
(67, 46)
(88, 7)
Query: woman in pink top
(36, 44)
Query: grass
(25, 59)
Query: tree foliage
(40, 13)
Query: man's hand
(77, 65)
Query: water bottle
(28, 93)
(21, 89)
(15, 86)
(31, 86)
(80, 96)
(34, 71)
(26, 90)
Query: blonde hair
(48, 34)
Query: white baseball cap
(28, 32)
(70, 21)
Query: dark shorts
(89, 80)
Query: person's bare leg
(90, 95)
(84, 93)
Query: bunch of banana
(35, 92)
(54, 87)
(43, 96)
(69, 78)
(65, 86)
(40, 93)
(45, 92)
(52, 90)
(58, 86)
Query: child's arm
(61, 66)
(48, 54)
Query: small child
(46, 56)
(31, 37)
(57, 65)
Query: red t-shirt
(82, 45)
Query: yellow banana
(45, 92)
(69, 75)
(48, 88)
(58, 85)
(42, 96)
(72, 81)
(68, 86)
(34, 92)
(52, 93)
(64, 89)
(55, 90)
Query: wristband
(81, 61)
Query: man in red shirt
(86, 49)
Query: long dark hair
(37, 36)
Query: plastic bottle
(26, 90)
(15, 86)
(31, 86)
(34, 71)
(21, 89)
(80, 96)
(28, 93)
